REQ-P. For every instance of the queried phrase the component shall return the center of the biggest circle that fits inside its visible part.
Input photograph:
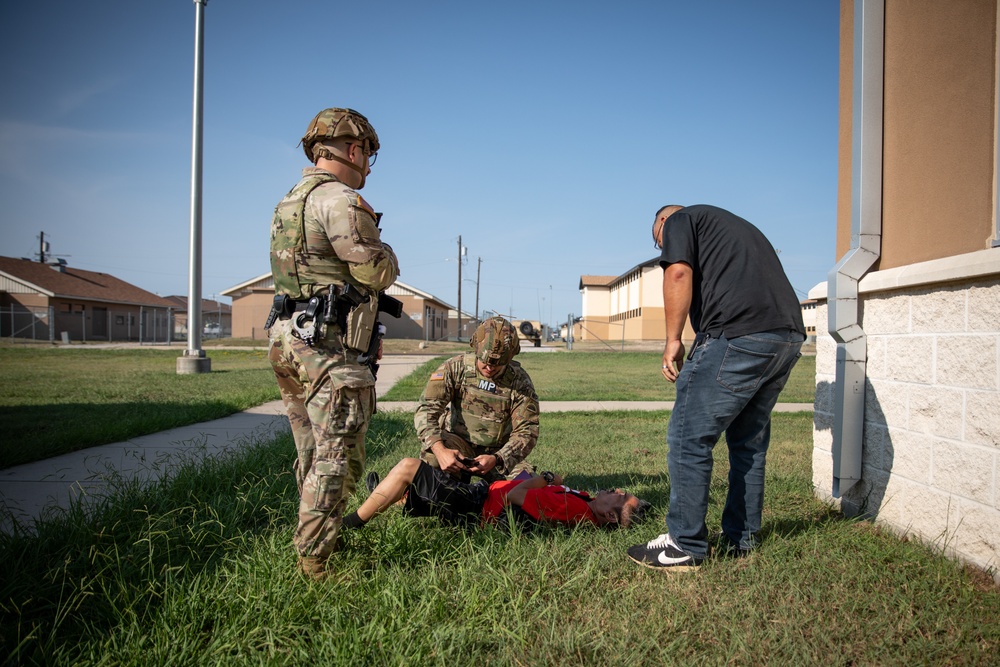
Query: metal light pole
(194, 359)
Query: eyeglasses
(369, 154)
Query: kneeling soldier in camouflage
(478, 414)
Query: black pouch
(699, 340)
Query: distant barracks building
(425, 317)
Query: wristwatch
(499, 465)
(548, 476)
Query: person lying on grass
(542, 499)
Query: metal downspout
(866, 239)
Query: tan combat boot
(313, 567)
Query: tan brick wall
(931, 461)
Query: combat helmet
(335, 123)
(495, 342)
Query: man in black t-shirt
(723, 273)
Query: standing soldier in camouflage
(328, 263)
(479, 411)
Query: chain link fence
(139, 324)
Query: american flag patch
(365, 205)
(437, 376)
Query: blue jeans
(726, 386)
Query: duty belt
(299, 307)
(329, 308)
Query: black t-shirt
(739, 286)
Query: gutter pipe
(866, 241)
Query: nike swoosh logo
(664, 559)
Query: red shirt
(549, 503)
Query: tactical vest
(485, 408)
(295, 271)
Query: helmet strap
(336, 158)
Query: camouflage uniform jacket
(499, 414)
(336, 240)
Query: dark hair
(634, 513)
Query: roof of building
(596, 281)
(68, 282)
(207, 305)
(265, 281)
(609, 281)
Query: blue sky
(545, 133)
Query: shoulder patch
(437, 376)
(365, 205)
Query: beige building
(469, 324)
(907, 429)
(625, 307)
(424, 316)
(809, 319)
(251, 304)
(630, 307)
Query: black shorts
(436, 493)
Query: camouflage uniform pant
(329, 401)
(469, 450)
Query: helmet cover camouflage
(495, 342)
(335, 123)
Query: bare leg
(390, 490)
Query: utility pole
(458, 334)
(479, 267)
(194, 360)
(42, 247)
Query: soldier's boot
(313, 567)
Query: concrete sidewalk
(594, 406)
(35, 490)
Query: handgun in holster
(391, 306)
(347, 299)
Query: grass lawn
(200, 570)
(608, 376)
(54, 401)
